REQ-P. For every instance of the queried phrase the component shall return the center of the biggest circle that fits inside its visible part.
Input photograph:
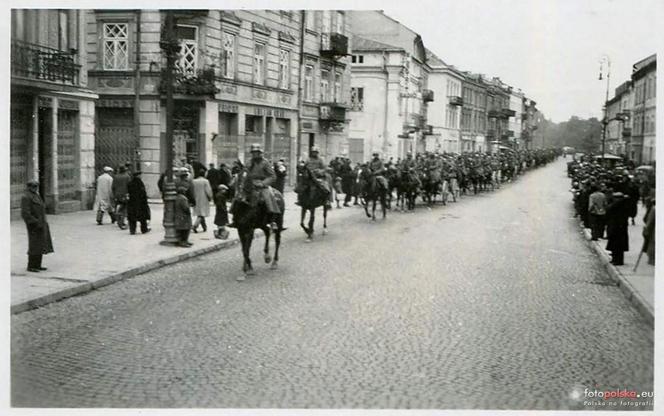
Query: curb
(625, 286)
(105, 281)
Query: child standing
(182, 217)
(221, 214)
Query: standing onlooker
(121, 195)
(649, 232)
(280, 170)
(617, 213)
(138, 209)
(182, 217)
(104, 197)
(221, 212)
(213, 176)
(33, 212)
(597, 212)
(203, 196)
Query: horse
(392, 176)
(409, 185)
(312, 196)
(249, 215)
(431, 185)
(373, 189)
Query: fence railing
(43, 63)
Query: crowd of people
(606, 198)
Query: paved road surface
(495, 302)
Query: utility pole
(171, 47)
(605, 59)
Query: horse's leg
(324, 220)
(382, 204)
(266, 249)
(312, 218)
(303, 213)
(373, 209)
(246, 238)
(277, 243)
(366, 207)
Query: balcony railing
(200, 83)
(43, 63)
(507, 113)
(493, 113)
(627, 131)
(333, 44)
(427, 96)
(456, 100)
(332, 112)
(428, 130)
(490, 133)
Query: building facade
(514, 121)
(389, 77)
(324, 84)
(474, 125)
(644, 79)
(444, 113)
(52, 109)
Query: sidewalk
(639, 285)
(88, 256)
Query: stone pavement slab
(89, 256)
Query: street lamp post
(605, 60)
(171, 47)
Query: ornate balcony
(333, 45)
(200, 83)
(43, 63)
(427, 96)
(490, 134)
(493, 113)
(507, 113)
(627, 132)
(456, 100)
(332, 112)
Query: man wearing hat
(280, 170)
(104, 197)
(317, 170)
(377, 169)
(121, 195)
(138, 209)
(260, 176)
(33, 212)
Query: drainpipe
(299, 99)
(137, 95)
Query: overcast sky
(549, 49)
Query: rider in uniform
(319, 174)
(377, 170)
(260, 176)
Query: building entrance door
(21, 117)
(115, 143)
(67, 156)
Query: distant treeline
(583, 135)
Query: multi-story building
(619, 120)
(474, 126)
(324, 84)
(52, 109)
(498, 114)
(644, 80)
(389, 79)
(530, 118)
(514, 122)
(236, 83)
(444, 113)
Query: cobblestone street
(493, 302)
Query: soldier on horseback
(316, 175)
(256, 188)
(377, 170)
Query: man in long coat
(121, 195)
(617, 214)
(316, 175)
(260, 177)
(33, 212)
(203, 195)
(138, 209)
(104, 197)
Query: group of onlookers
(606, 199)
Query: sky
(549, 49)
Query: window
(360, 59)
(337, 87)
(284, 69)
(357, 99)
(188, 61)
(353, 59)
(340, 23)
(309, 83)
(116, 44)
(324, 86)
(259, 63)
(311, 20)
(228, 64)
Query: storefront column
(209, 124)
(53, 153)
(241, 126)
(33, 146)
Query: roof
(434, 60)
(364, 44)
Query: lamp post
(171, 47)
(605, 60)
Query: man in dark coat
(120, 195)
(138, 209)
(617, 213)
(214, 177)
(280, 171)
(33, 212)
